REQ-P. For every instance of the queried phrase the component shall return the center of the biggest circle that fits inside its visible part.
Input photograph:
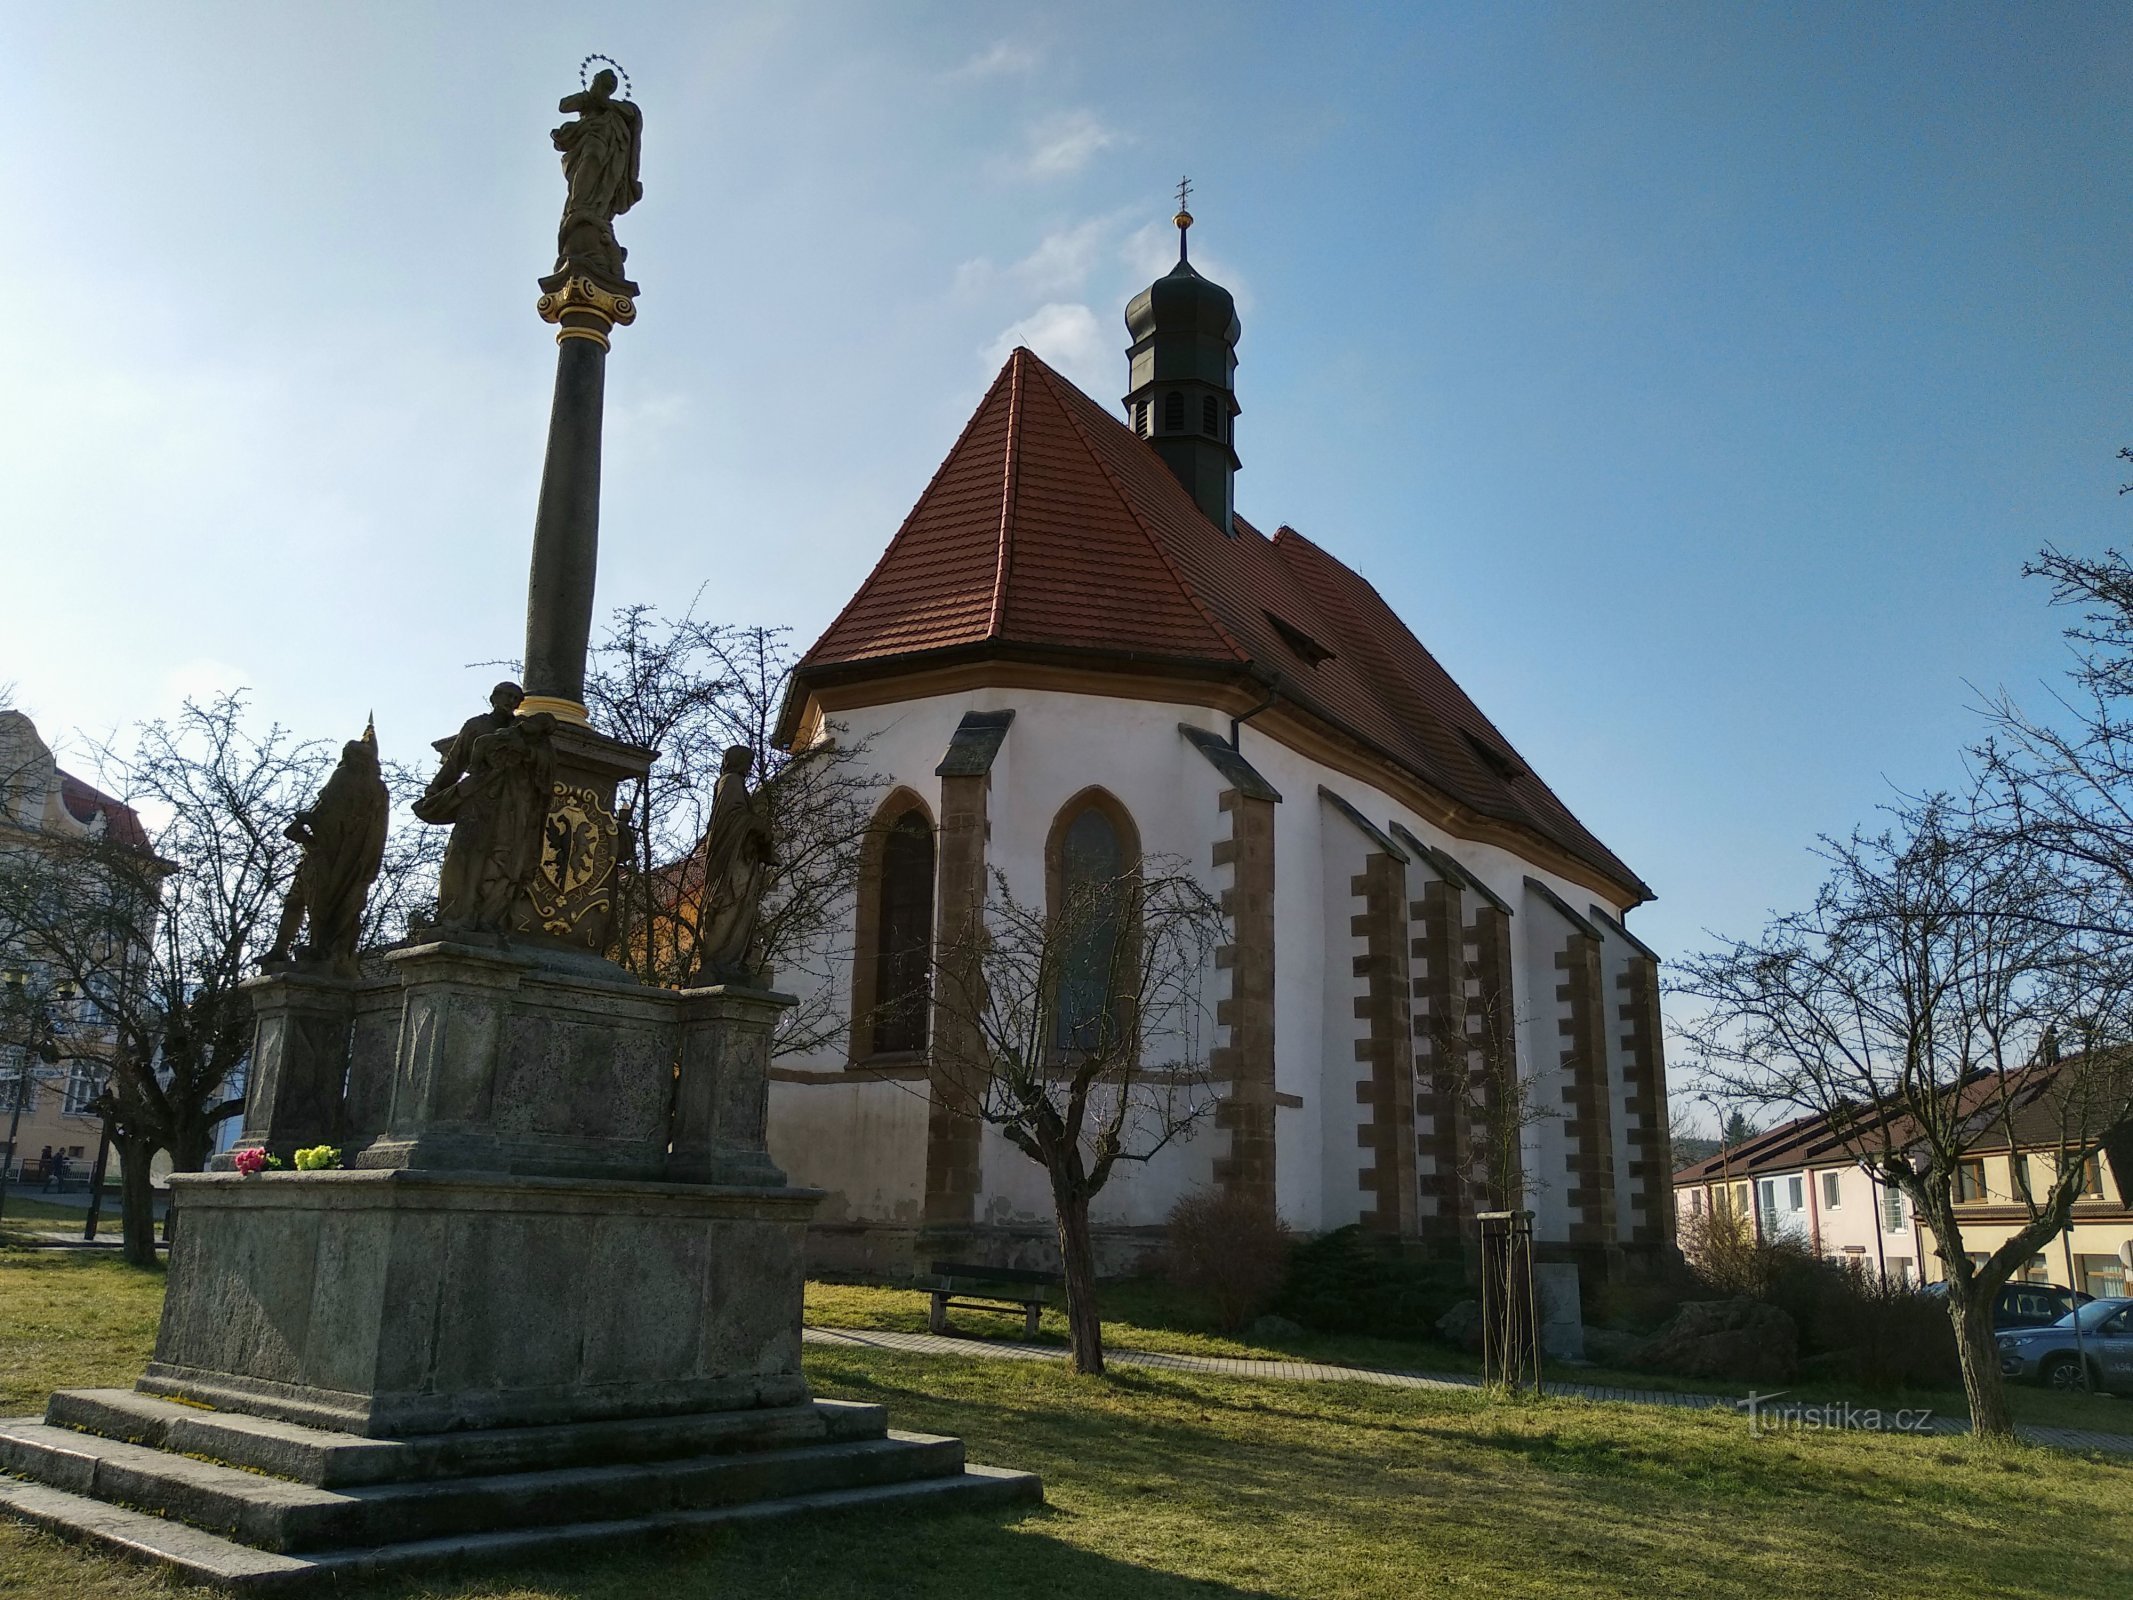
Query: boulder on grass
(1741, 1338)
(1460, 1327)
(1273, 1327)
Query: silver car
(2050, 1355)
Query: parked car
(2052, 1356)
(2024, 1305)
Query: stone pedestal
(300, 1039)
(571, 900)
(501, 1063)
(397, 1303)
(722, 1093)
(558, 1205)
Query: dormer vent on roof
(1182, 373)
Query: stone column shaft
(566, 528)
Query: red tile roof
(84, 802)
(1051, 524)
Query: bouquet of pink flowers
(251, 1163)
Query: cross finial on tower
(1184, 218)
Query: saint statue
(458, 751)
(737, 860)
(600, 153)
(343, 839)
(494, 789)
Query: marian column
(570, 895)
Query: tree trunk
(1977, 1348)
(137, 1201)
(1077, 1265)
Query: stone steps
(247, 1501)
(327, 1459)
(210, 1559)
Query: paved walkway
(933, 1344)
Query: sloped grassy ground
(1165, 1486)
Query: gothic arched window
(1093, 857)
(1174, 412)
(1140, 416)
(891, 987)
(904, 938)
(1208, 424)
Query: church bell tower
(1182, 372)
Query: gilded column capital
(581, 295)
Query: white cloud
(1062, 145)
(1069, 337)
(1004, 58)
(1060, 265)
(1064, 258)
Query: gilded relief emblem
(572, 893)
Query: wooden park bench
(981, 1288)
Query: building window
(892, 969)
(1766, 1202)
(1090, 859)
(1174, 412)
(1832, 1191)
(84, 1083)
(1900, 1269)
(1209, 418)
(1140, 416)
(1796, 1193)
(18, 1086)
(903, 942)
(2091, 1186)
(1892, 1209)
(2104, 1277)
(1740, 1199)
(1969, 1181)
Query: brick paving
(934, 1344)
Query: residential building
(47, 1101)
(1802, 1181)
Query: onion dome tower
(1182, 372)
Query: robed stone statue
(600, 153)
(737, 860)
(343, 837)
(493, 789)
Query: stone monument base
(399, 1301)
(552, 1301)
(270, 1507)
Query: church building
(1075, 639)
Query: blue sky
(1693, 380)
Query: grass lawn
(1166, 1486)
(1150, 1316)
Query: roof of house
(85, 803)
(2042, 1099)
(1052, 525)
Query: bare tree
(1474, 1070)
(1077, 1031)
(1913, 1006)
(691, 690)
(155, 941)
(151, 938)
